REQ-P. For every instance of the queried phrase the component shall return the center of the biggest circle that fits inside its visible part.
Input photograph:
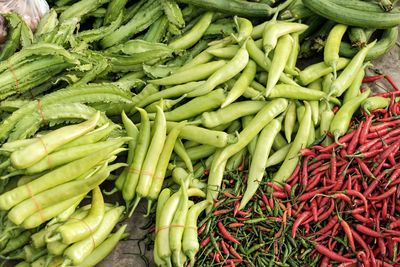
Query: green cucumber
(387, 41)
(353, 17)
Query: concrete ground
(128, 251)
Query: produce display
(245, 126)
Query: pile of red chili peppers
(341, 206)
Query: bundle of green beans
(60, 244)
(50, 174)
(198, 86)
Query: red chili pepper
(347, 230)
(360, 241)
(314, 181)
(307, 152)
(380, 133)
(367, 231)
(323, 157)
(388, 94)
(355, 193)
(315, 165)
(328, 212)
(302, 217)
(314, 209)
(342, 140)
(205, 241)
(372, 78)
(225, 234)
(236, 207)
(343, 197)
(235, 225)
(392, 82)
(234, 253)
(324, 262)
(364, 167)
(311, 194)
(221, 212)
(304, 172)
(242, 213)
(320, 169)
(294, 174)
(382, 247)
(370, 154)
(365, 130)
(201, 229)
(387, 194)
(357, 137)
(224, 247)
(384, 208)
(330, 254)
(373, 184)
(279, 195)
(228, 195)
(362, 219)
(333, 167)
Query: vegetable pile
(200, 106)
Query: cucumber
(361, 5)
(387, 41)
(353, 17)
(236, 7)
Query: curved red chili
(301, 218)
(332, 255)
(225, 234)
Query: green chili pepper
(343, 82)
(298, 143)
(152, 157)
(259, 160)
(77, 252)
(341, 121)
(263, 117)
(49, 142)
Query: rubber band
(91, 233)
(87, 227)
(37, 204)
(175, 226)
(43, 144)
(133, 170)
(147, 173)
(157, 177)
(14, 75)
(41, 112)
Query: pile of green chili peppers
(162, 98)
